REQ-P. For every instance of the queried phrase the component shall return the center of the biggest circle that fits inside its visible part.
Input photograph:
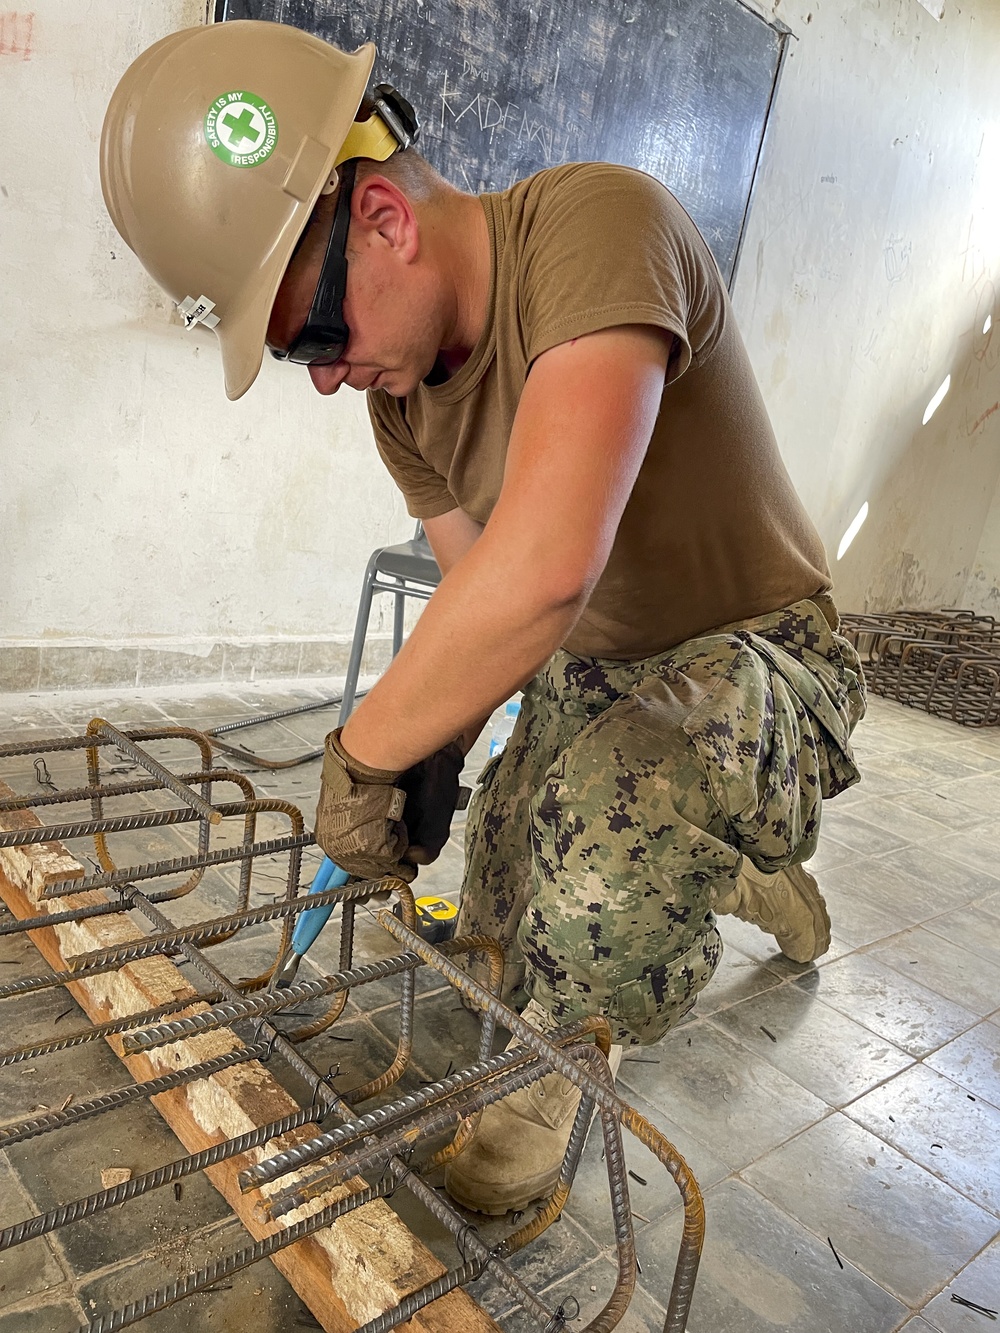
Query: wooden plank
(349, 1272)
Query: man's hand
(359, 818)
(432, 792)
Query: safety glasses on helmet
(323, 337)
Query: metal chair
(414, 573)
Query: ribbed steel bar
(689, 1255)
(67, 1213)
(71, 795)
(225, 1012)
(262, 761)
(176, 866)
(233, 1263)
(99, 727)
(211, 926)
(321, 1090)
(260, 718)
(86, 828)
(410, 1104)
(113, 1101)
(151, 946)
(403, 1136)
(18, 1054)
(417, 1300)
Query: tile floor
(843, 1119)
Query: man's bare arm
(503, 607)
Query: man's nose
(328, 379)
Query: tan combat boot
(787, 905)
(519, 1144)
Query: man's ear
(381, 209)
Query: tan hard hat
(216, 144)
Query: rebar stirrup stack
(326, 1158)
(947, 662)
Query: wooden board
(349, 1272)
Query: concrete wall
(152, 531)
(868, 274)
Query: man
(557, 384)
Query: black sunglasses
(323, 337)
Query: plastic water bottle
(503, 726)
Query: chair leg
(358, 644)
(398, 611)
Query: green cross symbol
(241, 127)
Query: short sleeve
(425, 491)
(611, 246)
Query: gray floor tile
(47, 1318)
(830, 853)
(762, 1271)
(853, 918)
(973, 1061)
(979, 1282)
(900, 819)
(863, 837)
(652, 1191)
(883, 1000)
(942, 807)
(976, 848)
(67, 1165)
(942, 966)
(887, 1216)
(736, 978)
(983, 789)
(588, 1289)
(258, 1298)
(953, 883)
(975, 928)
(738, 1105)
(819, 1048)
(877, 900)
(29, 1269)
(939, 1125)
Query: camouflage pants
(624, 802)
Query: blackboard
(679, 88)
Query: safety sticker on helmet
(241, 129)
(197, 312)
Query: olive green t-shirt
(713, 531)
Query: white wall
(167, 533)
(140, 507)
(868, 272)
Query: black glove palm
(432, 797)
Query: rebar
(215, 1272)
(175, 866)
(135, 1092)
(166, 779)
(395, 1140)
(68, 1213)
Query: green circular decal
(241, 129)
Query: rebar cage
(173, 959)
(946, 662)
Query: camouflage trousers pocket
(761, 754)
(644, 1010)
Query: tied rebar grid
(370, 1154)
(946, 662)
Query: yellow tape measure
(435, 917)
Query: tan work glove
(359, 818)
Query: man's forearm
(480, 638)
